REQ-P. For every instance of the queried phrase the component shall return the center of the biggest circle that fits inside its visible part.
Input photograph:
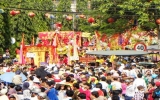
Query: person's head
(31, 78)
(35, 91)
(148, 72)
(69, 93)
(68, 79)
(139, 75)
(94, 95)
(50, 83)
(18, 72)
(133, 66)
(18, 88)
(71, 76)
(75, 86)
(86, 86)
(42, 96)
(25, 85)
(81, 96)
(156, 71)
(103, 79)
(99, 85)
(49, 75)
(12, 97)
(140, 88)
(11, 85)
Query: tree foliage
(126, 14)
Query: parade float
(67, 46)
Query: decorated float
(66, 46)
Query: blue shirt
(52, 94)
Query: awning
(118, 52)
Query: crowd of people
(121, 79)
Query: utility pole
(73, 9)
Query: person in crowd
(85, 88)
(17, 79)
(11, 89)
(30, 81)
(61, 91)
(116, 85)
(76, 91)
(69, 94)
(3, 94)
(151, 88)
(156, 92)
(104, 83)
(42, 96)
(130, 91)
(139, 81)
(51, 91)
(26, 91)
(35, 92)
(19, 92)
(148, 76)
(115, 95)
(139, 94)
(81, 96)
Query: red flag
(21, 51)
(78, 38)
(55, 40)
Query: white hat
(43, 95)
(36, 90)
(36, 80)
(3, 91)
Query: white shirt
(130, 91)
(137, 82)
(67, 98)
(111, 99)
(116, 85)
(132, 73)
(104, 85)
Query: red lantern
(69, 18)
(31, 14)
(91, 20)
(13, 13)
(110, 20)
(82, 16)
(158, 21)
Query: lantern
(82, 16)
(91, 20)
(13, 12)
(110, 20)
(69, 18)
(158, 21)
(31, 14)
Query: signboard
(87, 59)
(30, 55)
(140, 47)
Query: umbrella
(118, 52)
(8, 76)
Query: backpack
(156, 93)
